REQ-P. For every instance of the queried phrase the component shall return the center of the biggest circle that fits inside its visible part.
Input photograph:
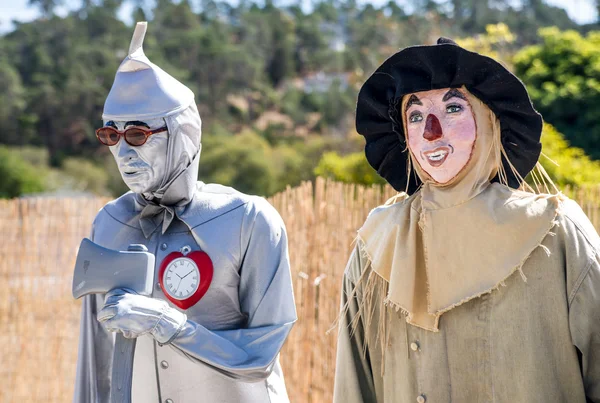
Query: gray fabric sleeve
(353, 375)
(266, 297)
(584, 322)
(92, 377)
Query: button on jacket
(228, 349)
(536, 341)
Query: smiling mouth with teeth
(437, 156)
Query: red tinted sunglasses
(134, 136)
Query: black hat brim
(424, 68)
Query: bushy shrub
(17, 176)
(85, 176)
(351, 168)
(244, 161)
(567, 165)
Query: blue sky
(582, 11)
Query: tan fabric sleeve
(583, 277)
(353, 376)
(584, 322)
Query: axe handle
(122, 369)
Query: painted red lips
(437, 156)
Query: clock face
(185, 277)
(181, 278)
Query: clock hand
(178, 284)
(190, 272)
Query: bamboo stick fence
(39, 319)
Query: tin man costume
(224, 347)
(463, 288)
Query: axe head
(99, 270)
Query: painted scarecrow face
(142, 167)
(441, 132)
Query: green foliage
(300, 157)
(17, 177)
(244, 161)
(474, 15)
(12, 100)
(251, 164)
(351, 168)
(83, 175)
(567, 165)
(75, 174)
(251, 65)
(335, 102)
(496, 42)
(291, 105)
(562, 75)
(64, 80)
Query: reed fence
(39, 319)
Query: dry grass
(39, 318)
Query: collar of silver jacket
(178, 194)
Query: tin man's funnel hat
(141, 89)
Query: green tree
(562, 75)
(12, 103)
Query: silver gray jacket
(228, 349)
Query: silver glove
(135, 315)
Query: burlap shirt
(534, 341)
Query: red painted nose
(433, 128)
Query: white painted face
(143, 167)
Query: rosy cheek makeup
(445, 153)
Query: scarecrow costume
(471, 290)
(224, 347)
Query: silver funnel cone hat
(141, 89)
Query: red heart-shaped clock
(185, 279)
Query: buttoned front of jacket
(194, 366)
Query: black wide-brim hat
(444, 65)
